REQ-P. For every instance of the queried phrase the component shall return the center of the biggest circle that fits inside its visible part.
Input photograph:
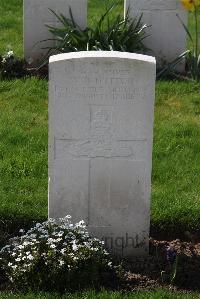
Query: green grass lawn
(11, 37)
(159, 294)
(23, 151)
(176, 158)
(23, 147)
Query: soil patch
(156, 270)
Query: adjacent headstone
(167, 37)
(100, 145)
(37, 15)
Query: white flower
(33, 236)
(82, 222)
(75, 258)
(58, 240)
(10, 53)
(63, 251)
(60, 234)
(110, 264)
(21, 247)
(50, 220)
(61, 262)
(74, 247)
(9, 264)
(33, 241)
(50, 240)
(18, 259)
(26, 243)
(4, 60)
(30, 257)
(42, 230)
(94, 248)
(14, 267)
(52, 246)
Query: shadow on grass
(9, 227)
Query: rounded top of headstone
(102, 54)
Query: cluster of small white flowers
(3, 60)
(8, 55)
(55, 243)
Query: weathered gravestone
(37, 15)
(167, 37)
(100, 144)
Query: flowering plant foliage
(193, 56)
(106, 34)
(190, 56)
(190, 4)
(11, 67)
(56, 255)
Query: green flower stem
(196, 41)
(196, 31)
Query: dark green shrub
(12, 67)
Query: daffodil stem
(196, 32)
(196, 43)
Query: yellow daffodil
(190, 4)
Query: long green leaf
(186, 29)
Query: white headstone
(37, 15)
(100, 145)
(167, 37)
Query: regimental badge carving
(102, 141)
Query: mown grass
(11, 36)
(158, 294)
(23, 146)
(97, 7)
(176, 159)
(23, 153)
